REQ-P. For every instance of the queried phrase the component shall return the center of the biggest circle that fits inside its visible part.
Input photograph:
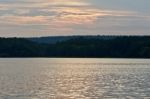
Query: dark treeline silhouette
(82, 46)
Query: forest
(81, 46)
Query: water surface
(76, 78)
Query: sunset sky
(25, 18)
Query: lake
(74, 78)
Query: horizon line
(69, 36)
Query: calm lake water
(76, 78)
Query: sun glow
(68, 2)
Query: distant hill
(77, 46)
(55, 39)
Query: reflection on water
(74, 79)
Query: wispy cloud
(69, 16)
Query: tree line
(117, 47)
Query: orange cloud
(65, 16)
(21, 20)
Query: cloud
(64, 16)
(60, 17)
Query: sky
(35, 18)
